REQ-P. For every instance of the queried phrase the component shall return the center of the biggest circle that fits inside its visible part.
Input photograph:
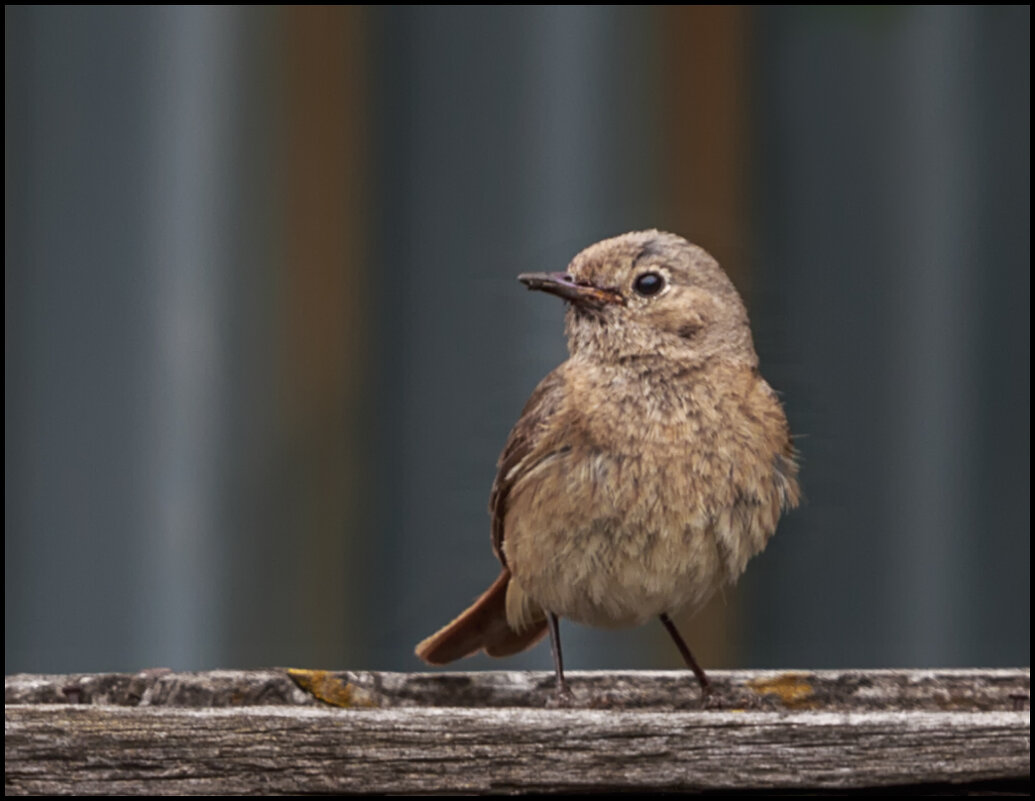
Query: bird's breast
(612, 539)
(650, 512)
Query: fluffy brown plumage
(645, 470)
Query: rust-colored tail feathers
(482, 627)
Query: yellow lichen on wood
(793, 689)
(325, 686)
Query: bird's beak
(565, 286)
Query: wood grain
(263, 732)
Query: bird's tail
(482, 627)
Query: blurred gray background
(264, 342)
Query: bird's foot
(562, 698)
(709, 698)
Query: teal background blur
(264, 342)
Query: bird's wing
(535, 437)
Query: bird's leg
(563, 693)
(702, 677)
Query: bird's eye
(648, 284)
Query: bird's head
(649, 295)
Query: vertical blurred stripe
(704, 118)
(192, 129)
(939, 326)
(325, 289)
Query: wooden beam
(270, 732)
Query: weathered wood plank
(933, 690)
(258, 732)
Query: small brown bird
(645, 471)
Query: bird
(644, 471)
